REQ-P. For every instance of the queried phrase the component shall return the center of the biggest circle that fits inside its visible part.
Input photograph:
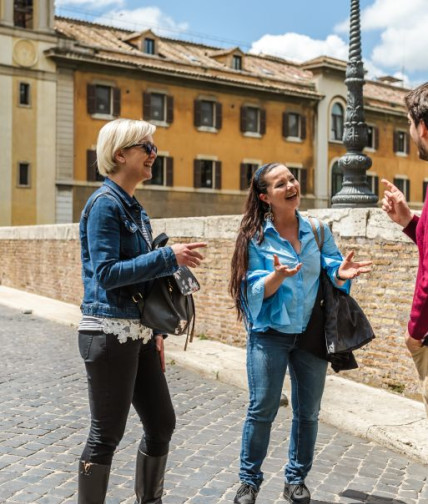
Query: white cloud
(385, 14)
(297, 47)
(141, 19)
(402, 25)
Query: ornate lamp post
(355, 191)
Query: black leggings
(120, 374)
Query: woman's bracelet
(339, 277)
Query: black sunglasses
(148, 147)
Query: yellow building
(27, 113)
(219, 115)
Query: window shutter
(169, 109)
(285, 125)
(116, 102)
(243, 119)
(217, 175)
(91, 165)
(197, 113)
(407, 144)
(218, 115)
(169, 171)
(91, 99)
(197, 173)
(303, 172)
(147, 106)
(243, 184)
(376, 137)
(395, 141)
(262, 122)
(302, 127)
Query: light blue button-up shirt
(289, 309)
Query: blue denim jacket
(115, 254)
(289, 309)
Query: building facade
(27, 113)
(219, 113)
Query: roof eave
(83, 58)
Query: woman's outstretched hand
(187, 255)
(283, 270)
(350, 269)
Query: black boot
(149, 476)
(93, 481)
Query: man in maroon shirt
(416, 228)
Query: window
(92, 173)
(372, 137)
(300, 174)
(149, 46)
(336, 179)
(24, 93)
(208, 114)
(162, 172)
(23, 13)
(401, 142)
(373, 183)
(104, 100)
(237, 62)
(247, 172)
(337, 122)
(158, 107)
(253, 120)
(293, 125)
(23, 174)
(403, 185)
(424, 190)
(207, 174)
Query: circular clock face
(24, 53)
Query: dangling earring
(269, 215)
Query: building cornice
(261, 85)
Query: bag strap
(318, 239)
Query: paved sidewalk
(44, 422)
(388, 419)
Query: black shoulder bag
(168, 305)
(345, 325)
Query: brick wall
(46, 260)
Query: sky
(394, 38)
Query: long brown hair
(251, 225)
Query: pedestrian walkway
(44, 421)
(386, 418)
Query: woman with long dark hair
(274, 282)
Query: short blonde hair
(116, 135)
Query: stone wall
(46, 260)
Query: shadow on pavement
(369, 498)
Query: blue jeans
(268, 356)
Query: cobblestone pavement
(44, 421)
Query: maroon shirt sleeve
(410, 229)
(418, 323)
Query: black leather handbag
(337, 325)
(168, 305)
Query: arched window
(336, 179)
(337, 121)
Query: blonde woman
(124, 360)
